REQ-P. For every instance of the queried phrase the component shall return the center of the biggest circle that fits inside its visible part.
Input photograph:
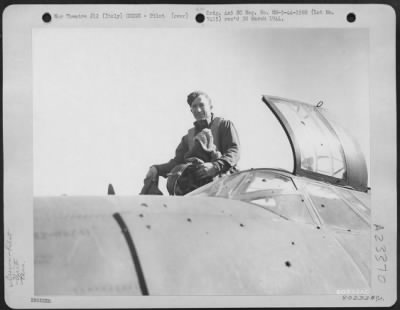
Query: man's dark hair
(193, 95)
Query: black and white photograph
(226, 151)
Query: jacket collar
(200, 125)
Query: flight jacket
(226, 140)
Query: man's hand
(152, 173)
(206, 170)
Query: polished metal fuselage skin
(186, 246)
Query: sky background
(108, 103)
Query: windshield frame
(239, 191)
(306, 183)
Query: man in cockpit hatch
(211, 147)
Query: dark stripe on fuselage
(134, 254)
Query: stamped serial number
(381, 258)
(44, 300)
(363, 297)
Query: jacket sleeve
(230, 146)
(164, 169)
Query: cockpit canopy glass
(300, 199)
(320, 149)
(266, 189)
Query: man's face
(201, 108)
